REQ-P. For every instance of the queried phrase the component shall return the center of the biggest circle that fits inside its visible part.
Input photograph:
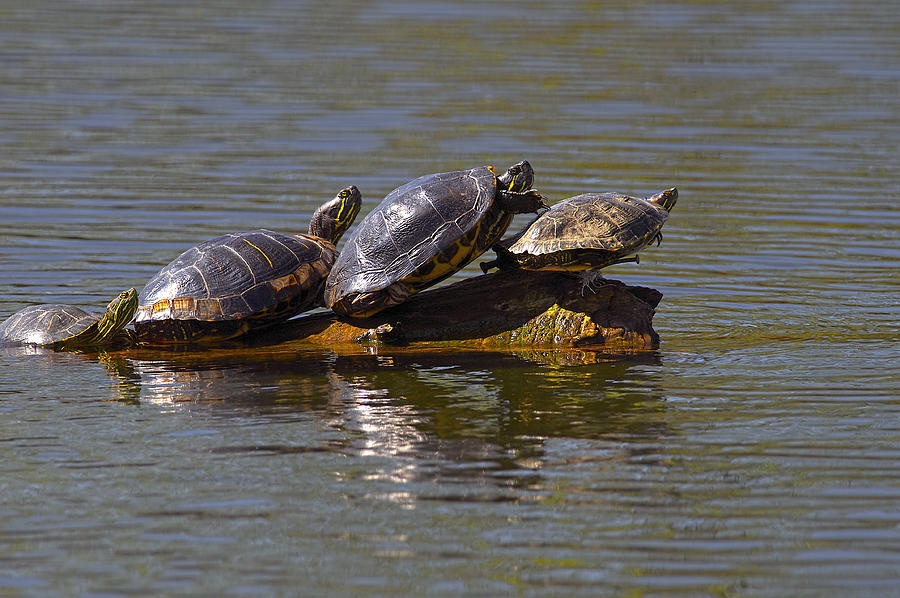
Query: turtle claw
(590, 278)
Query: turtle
(70, 328)
(234, 283)
(586, 232)
(425, 231)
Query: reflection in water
(260, 378)
(51, 364)
(459, 418)
(482, 420)
(126, 380)
(476, 424)
(757, 457)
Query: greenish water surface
(754, 454)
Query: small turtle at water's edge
(425, 231)
(586, 233)
(245, 281)
(70, 328)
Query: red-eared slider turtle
(66, 327)
(425, 231)
(585, 232)
(226, 286)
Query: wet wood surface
(499, 310)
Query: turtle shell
(232, 283)
(609, 222)
(434, 216)
(46, 324)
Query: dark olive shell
(612, 222)
(409, 228)
(46, 324)
(259, 274)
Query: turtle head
(666, 200)
(517, 178)
(119, 314)
(333, 219)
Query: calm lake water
(754, 454)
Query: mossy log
(515, 309)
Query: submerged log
(515, 309)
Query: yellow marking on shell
(320, 268)
(283, 282)
(216, 262)
(573, 267)
(440, 268)
(461, 256)
(183, 303)
(259, 250)
(161, 305)
(305, 275)
(50, 325)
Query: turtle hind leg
(506, 260)
(367, 304)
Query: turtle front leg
(521, 203)
(124, 338)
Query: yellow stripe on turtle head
(123, 306)
(118, 314)
(666, 200)
(334, 217)
(350, 204)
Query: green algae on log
(502, 310)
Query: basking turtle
(585, 232)
(66, 327)
(226, 286)
(423, 232)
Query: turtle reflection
(496, 418)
